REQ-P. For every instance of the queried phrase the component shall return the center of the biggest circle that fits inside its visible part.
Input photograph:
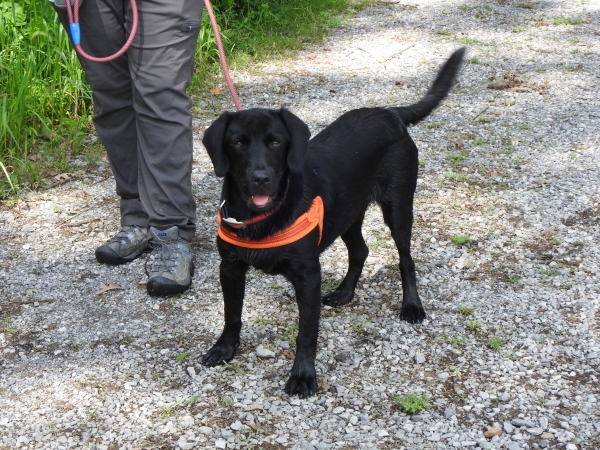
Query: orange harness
(296, 231)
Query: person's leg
(103, 32)
(161, 62)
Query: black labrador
(270, 166)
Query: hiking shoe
(125, 246)
(172, 269)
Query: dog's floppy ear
(213, 142)
(300, 134)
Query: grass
(473, 325)
(465, 310)
(44, 98)
(234, 366)
(461, 239)
(495, 342)
(566, 21)
(8, 326)
(46, 103)
(453, 340)
(457, 157)
(412, 403)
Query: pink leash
(73, 14)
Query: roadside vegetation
(46, 104)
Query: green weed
(566, 21)
(412, 403)
(495, 342)
(461, 239)
(473, 325)
(465, 310)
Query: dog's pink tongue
(260, 200)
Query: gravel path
(511, 346)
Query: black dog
(272, 175)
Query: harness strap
(296, 231)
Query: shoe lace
(123, 234)
(165, 257)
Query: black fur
(366, 155)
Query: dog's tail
(413, 114)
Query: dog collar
(296, 231)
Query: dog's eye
(238, 144)
(275, 143)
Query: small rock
(552, 403)
(513, 446)
(547, 436)
(543, 443)
(571, 447)
(522, 423)
(508, 427)
(343, 357)
(221, 443)
(544, 422)
(449, 411)
(383, 433)
(254, 407)
(191, 371)
(492, 431)
(535, 431)
(205, 430)
(184, 444)
(419, 358)
(236, 426)
(263, 352)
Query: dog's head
(256, 147)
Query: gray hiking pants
(141, 110)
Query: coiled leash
(73, 13)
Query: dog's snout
(260, 177)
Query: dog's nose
(260, 177)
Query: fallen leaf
(458, 144)
(5, 265)
(289, 354)
(216, 90)
(311, 56)
(180, 343)
(109, 287)
(491, 173)
(333, 91)
(588, 21)
(62, 177)
(36, 157)
(548, 233)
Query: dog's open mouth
(260, 200)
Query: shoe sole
(161, 286)
(107, 255)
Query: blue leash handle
(75, 33)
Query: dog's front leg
(307, 284)
(233, 283)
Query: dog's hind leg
(357, 254)
(399, 218)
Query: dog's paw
(413, 313)
(219, 354)
(337, 298)
(302, 385)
